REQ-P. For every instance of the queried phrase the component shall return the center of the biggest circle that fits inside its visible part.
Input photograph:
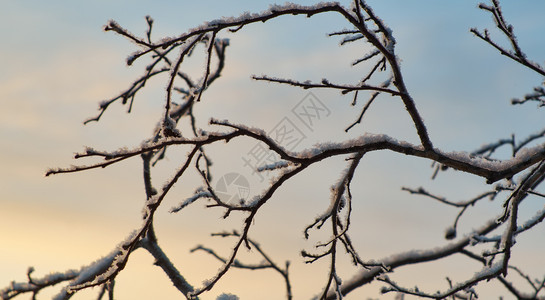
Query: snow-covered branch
(523, 171)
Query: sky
(58, 64)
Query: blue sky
(57, 64)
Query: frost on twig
(35, 285)
(267, 263)
(198, 195)
(519, 175)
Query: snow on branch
(268, 263)
(236, 23)
(486, 273)
(492, 170)
(200, 194)
(523, 172)
(326, 84)
(516, 53)
(414, 257)
(35, 285)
